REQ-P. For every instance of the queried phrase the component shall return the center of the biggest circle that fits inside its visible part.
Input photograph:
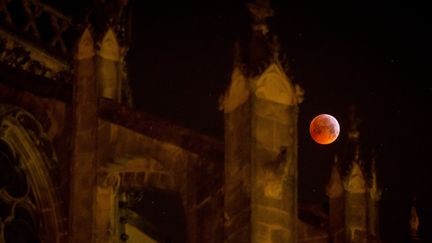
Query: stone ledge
(160, 129)
(37, 85)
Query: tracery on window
(17, 206)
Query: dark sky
(342, 53)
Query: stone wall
(238, 180)
(144, 161)
(275, 156)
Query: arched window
(29, 203)
(17, 206)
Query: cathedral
(80, 164)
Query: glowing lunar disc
(324, 129)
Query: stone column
(109, 83)
(335, 193)
(83, 162)
(414, 225)
(238, 177)
(355, 206)
(274, 161)
(108, 68)
(261, 158)
(106, 209)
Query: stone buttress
(261, 113)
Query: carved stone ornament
(237, 93)
(260, 12)
(414, 222)
(108, 179)
(85, 46)
(374, 191)
(110, 47)
(275, 86)
(355, 182)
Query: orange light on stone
(324, 129)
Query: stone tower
(354, 210)
(414, 225)
(335, 193)
(373, 204)
(261, 112)
(355, 204)
(96, 75)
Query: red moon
(324, 129)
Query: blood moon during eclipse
(324, 129)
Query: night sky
(368, 54)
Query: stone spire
(335, 193)
(84, 158)
(357, 153)
(257, 68)
(355, 205)
(374, 191)
(354, 121)
(259, 52)
(354, 135)
(334, 187)
(260, 11)
(261, 113)
(414, 223)
(238, 91)
(355, 182)
(373, 203)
